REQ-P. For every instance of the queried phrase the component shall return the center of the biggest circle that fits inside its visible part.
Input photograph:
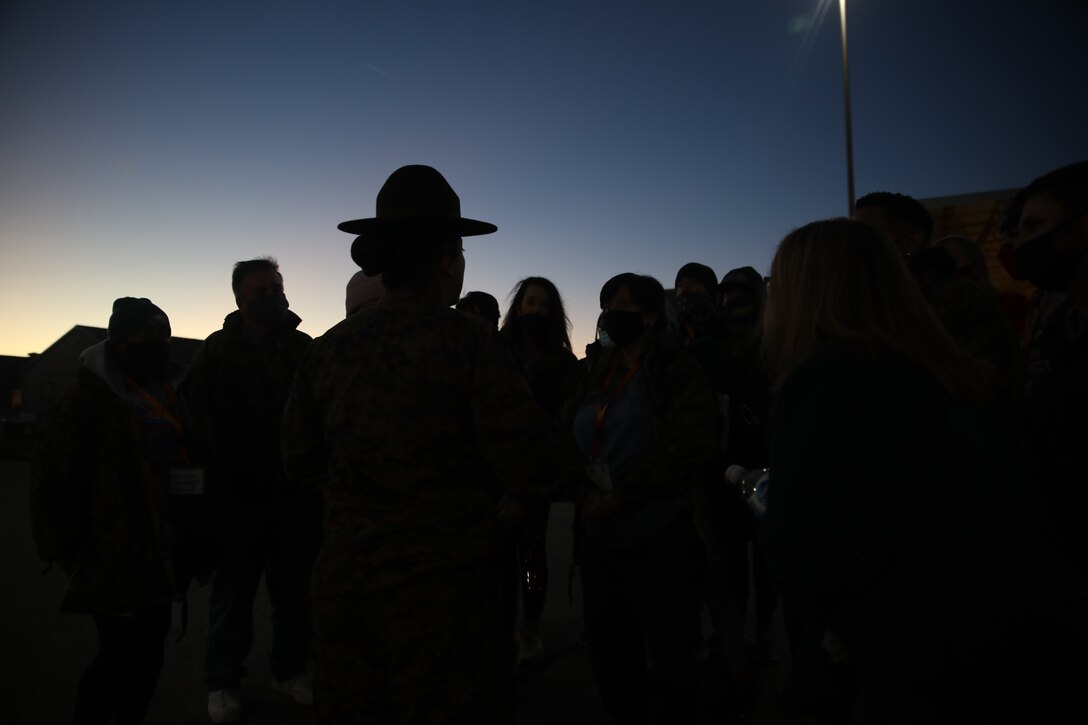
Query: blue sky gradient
(147, 146)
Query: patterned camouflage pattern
(429, 651)
(414, 420)
(236, 389)
(97, 504)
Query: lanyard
(605, 401)
(171, 417)
(159, 409)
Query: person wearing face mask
(968, 312)
(743, 294)
(724, 520)
(1050, 250)
(536, 327)
(113, 453)
(481, 304)
(644, 435)
(696, 289)
(238, 385)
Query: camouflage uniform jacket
(237, 387)
(412, 412)
(97, 503)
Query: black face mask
(739, 308)
(696, 307)
(267, 310)
(623, 327)
(534, 327)
(146, 361)
(1039, 261)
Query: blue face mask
(605, 340)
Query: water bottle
(753, 485)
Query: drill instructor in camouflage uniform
(411, 415)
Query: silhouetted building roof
(47, 375)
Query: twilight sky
(146, 146)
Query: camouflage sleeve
(58, 488)
(302, 433)
(684, 441)
(516, 437)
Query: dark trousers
(766, 596)
(533, 562)
(279, 543)
(122, 676)
(640, 601)
(728, 577)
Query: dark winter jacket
(97, 499)
(901, 520)
(237, 388)
(685, 426)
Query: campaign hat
(416, 203)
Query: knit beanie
(747, 278)
(132, 315)
(700, 273)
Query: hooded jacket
(97, 499)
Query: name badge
(187, 481)
(600, 475)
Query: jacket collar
(98, 360)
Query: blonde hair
(842, 280)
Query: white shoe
(530, 651)
(299, 688)
(224, 705)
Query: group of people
(152, 474)
(392, 479)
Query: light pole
(846, 101)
